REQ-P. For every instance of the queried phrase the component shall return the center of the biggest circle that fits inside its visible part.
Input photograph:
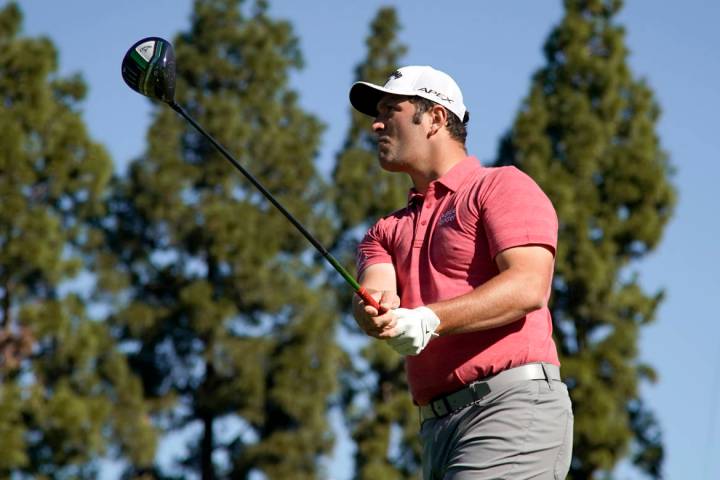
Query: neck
(438, 164)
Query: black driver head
(149, 68)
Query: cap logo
(396, 74)
(441, 96)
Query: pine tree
(586, 133)
(225, 308)
(67, 396)
(386, 433)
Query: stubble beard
(388, 159)
(389, 156)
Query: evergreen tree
(586, 133)
(225, 316)
(386, 431)
(66, 394)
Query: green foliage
(365, 190)
(387, 435)
(223, 303)
(66, 394)
(364, 193)
(586, 133)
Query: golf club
(149, 68)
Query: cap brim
(365, 96)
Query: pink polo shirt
(442, 245)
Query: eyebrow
(391, 100)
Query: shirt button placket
(425, 214)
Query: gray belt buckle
(479, 390)
(439, 407)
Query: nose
(378, 125)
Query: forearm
(379, 281)
(504, 299)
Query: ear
(438, 118)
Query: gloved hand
(414, 328)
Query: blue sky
(491, 47)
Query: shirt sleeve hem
(550, 243)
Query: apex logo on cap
(441, 96)
(396, 74)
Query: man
(470, 261)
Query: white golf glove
(415, 328)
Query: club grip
(369, 300)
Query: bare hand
(367, 318)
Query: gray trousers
(523, 431)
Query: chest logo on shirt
(446, 217)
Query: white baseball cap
(421, 81)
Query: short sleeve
(373, 248)
(516, 212)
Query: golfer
(465, 269)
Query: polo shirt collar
(414, 196)
(459, 173)
(452, 179)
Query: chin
(390, 165)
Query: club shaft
(359, 290)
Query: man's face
(400, 140)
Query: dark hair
(457, 129)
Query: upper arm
(532, 263)
(379, 276)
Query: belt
(480, 388)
